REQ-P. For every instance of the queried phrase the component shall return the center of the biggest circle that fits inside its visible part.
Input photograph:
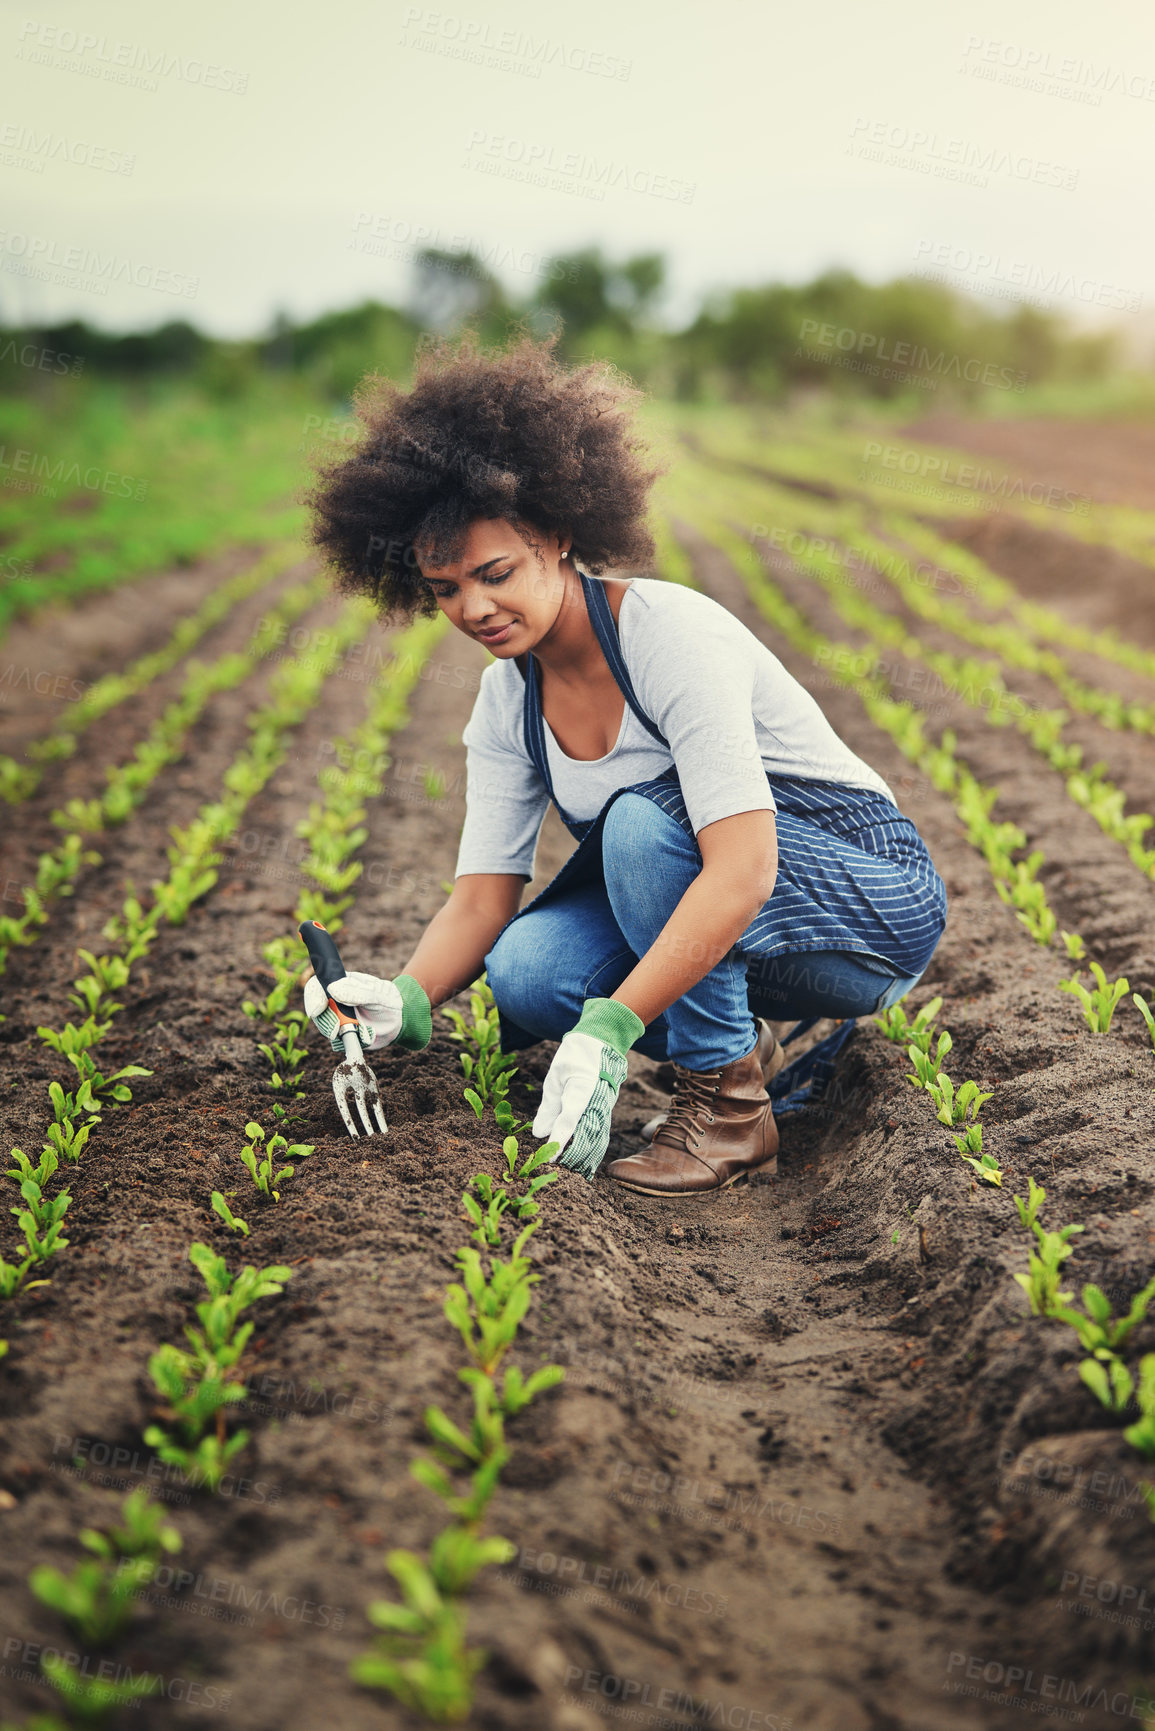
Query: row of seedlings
(129, 783)
(334, 830)
(422, 1656)
(972, 681)
(193, 857)
(813, 466)
(1016, 881)
(97, 1599)
(19, 781)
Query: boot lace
(693, 1090)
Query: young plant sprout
(1141, 1435)
(193, 1384)
(927, 1067)
(260, 1159)
(421, 1656)
(487, 1068)
(1099, 1003)
(1144, 1010)
(985, 1165)
(954, 1108)
(283, 1053)
(1076, 948)
(231, 1220)
(1041, 1285)
(42, 1220)
(14, 1277)
(918, 1033)
(97, 1598)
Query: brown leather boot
(771, 1058)
(719, 1128)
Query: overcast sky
(219, 162)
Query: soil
(812, 1464)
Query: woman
(736, 859)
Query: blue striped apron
(838, 847)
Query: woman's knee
(512, 961)
(634, 826)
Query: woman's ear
(564, 543)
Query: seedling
(1109, 1380)
(486, 1313)
(74, 1039)
(485, 1213)
(986, 1166)
(523, 1205)
(193, 1384)
(927, 1067)
(93, 1698)
(97, 1598)
(66, 1106)
(421, 1657)
(1144, 1009)
(1099, 1003)
(232, 1221)
(41, 1220)
(14, 1276)
(954, 1108)
(487, 1068)
(284, 1054)
(1041, 1285)
(1076, 948)
(918, 1033)
(68, 1139)
(260, 1159)
(40, 1173)
(133, 929)
(74, 1043)
(1141, 1435)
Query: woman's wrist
(416, 1029)
(612, 1022)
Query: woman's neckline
(605, 757)
(562, 753)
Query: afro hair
(514, 435)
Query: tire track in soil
(80, 640)
(350, 1356)
(112, 739)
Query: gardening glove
(389, 1012)
(581, 1085)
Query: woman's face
(502, 591)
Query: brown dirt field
(1108, 460)
(813, 1464)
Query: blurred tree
(338, 349)
(452, 289)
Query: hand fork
(352, 1080)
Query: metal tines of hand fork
(354, 1082)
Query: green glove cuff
(416, 1015)
(613, 1023)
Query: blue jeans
(582, 944)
